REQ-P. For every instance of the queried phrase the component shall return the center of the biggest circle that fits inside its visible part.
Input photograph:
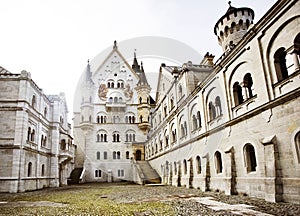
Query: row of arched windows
(119, 84)
(215, 108)
(241, 94)
(30, 169)
(249, 156)
(115, 119)
(116, 155)
(30, 134)
(129, 137)
(283, 67)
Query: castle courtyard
(131, 199)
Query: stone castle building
(111, 124)
(36, 148)
(232, 125)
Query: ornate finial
(229, 3)
(115, 44)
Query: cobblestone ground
(184, 201)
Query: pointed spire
(115, 45)
(143, 79)
(135, 64)
(88, 74)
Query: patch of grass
(81, 200)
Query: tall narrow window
(297, 145)
(105, 155)
(211, 111)
(237, 94)
(114, 155)
(98, 155)
(43, 170)
(194, 120)
(218, 106)
(248, 82)
(118, 155)
(218, 162)
(29, 134)
(280, 64)
(33, 101)
(184, 167)
(29, 169)
(199, 119)
(127, 155)
(250, 159)
(198, 163)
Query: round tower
(233, 25)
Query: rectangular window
(98, 173)
(120, 173)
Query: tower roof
(88, 73)
(230, 11)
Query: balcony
(65, 155)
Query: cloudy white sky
(53, 39)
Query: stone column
(273, 185)
(230, 172)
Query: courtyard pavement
(131, 199)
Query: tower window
(237, 94)
(29, 169)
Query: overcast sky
(52, 39)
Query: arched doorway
(138, 155)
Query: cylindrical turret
(233, 25)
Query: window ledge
(218, 118)
(286, 80)
(246, 102)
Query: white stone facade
(36, 148)
(237, 128)
(108, 128)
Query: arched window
(198, 164)
(211, 111)
(141, 119)
(218, 106)
(43, 170)
(29, 169)
(140, 100)
(105, 155)
(237, 94)
(172, 103)
(98, 155)
(297, 146)
(250, 158)
(112, 85)
(127, 155)
(32, 135)
(184, 167)
(218, 162)
(118, 155)
(280, 64)
(248, 82)
(174, 136)
(114, 155)
(98, 119)
(185, 128)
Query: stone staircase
(75, 176)
(150, 176)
